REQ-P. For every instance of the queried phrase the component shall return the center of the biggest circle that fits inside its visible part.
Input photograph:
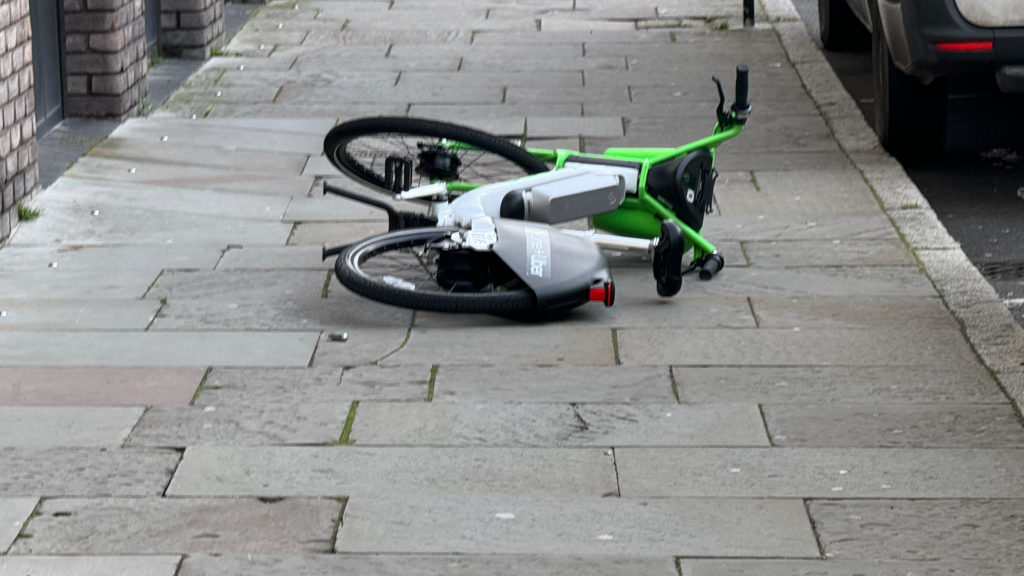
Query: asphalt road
(977, 186)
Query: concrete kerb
(988, 325)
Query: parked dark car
(918, 48)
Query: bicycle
(486, 243)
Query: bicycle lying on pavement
(487, 241)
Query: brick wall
(19, 169)
(106, 57)
(191, 28)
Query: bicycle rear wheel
(423, 269)
(392, 154)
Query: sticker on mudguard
(538, 253)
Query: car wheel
(910, 117)
(839, 27)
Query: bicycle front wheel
(393, 154)
(424, 269)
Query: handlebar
(740, 110)
(742, 89)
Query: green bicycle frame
(640, 216)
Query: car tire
(910, 117)
(839, 27)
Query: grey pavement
(844, 398)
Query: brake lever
(724, 119)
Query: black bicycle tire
(349, 272)
(342, 134)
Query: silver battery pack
(573, 194)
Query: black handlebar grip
(711, 265)
(742, 88)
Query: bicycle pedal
(668, 259)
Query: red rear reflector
(604, 294)
(964, 46)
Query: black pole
(748, 13)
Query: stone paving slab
(262, 286)
(174, 526)
(554, 425)
(257, 134)
(108, 222)
(794, 195)
(409, 382)
(314, 422)
(320, 208)
(90, 565)
(168, 349)
(551, 344)
(637, 304)
(806, 253)
(75, 427)
(92, 472)
(363, 346)
(154, 173)
(633, 384)
(189, 153)
(881, 425)
(14, 512)
(988, 567)
(853, 312)
(561, 126)
(819, 473)
(273, 258)
(196, 202)
(592, 527)
(69, 272)
(863, 384)
(982, 530)
(238, 388)
(782, 347)
(864, 226)
(25, 314)
(97, 386)
(805, 133)
(373, 472)
(505, 114)
(423, 565)
(334, 233)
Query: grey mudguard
(559, 268)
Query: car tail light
(976, 46)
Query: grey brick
(85, 472)
(889, 384)
(881, 425)
(634, 384)
(575, 526)
(534, 345)
(781, 347)
(423, 565)
(107, 565)
(553, 425)
(50, 427)
(988, 567)
(919, 529)
(838, 252)
(818, 473)
(175, 526)
(306, 423)
(345, 471)
(159, 348)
